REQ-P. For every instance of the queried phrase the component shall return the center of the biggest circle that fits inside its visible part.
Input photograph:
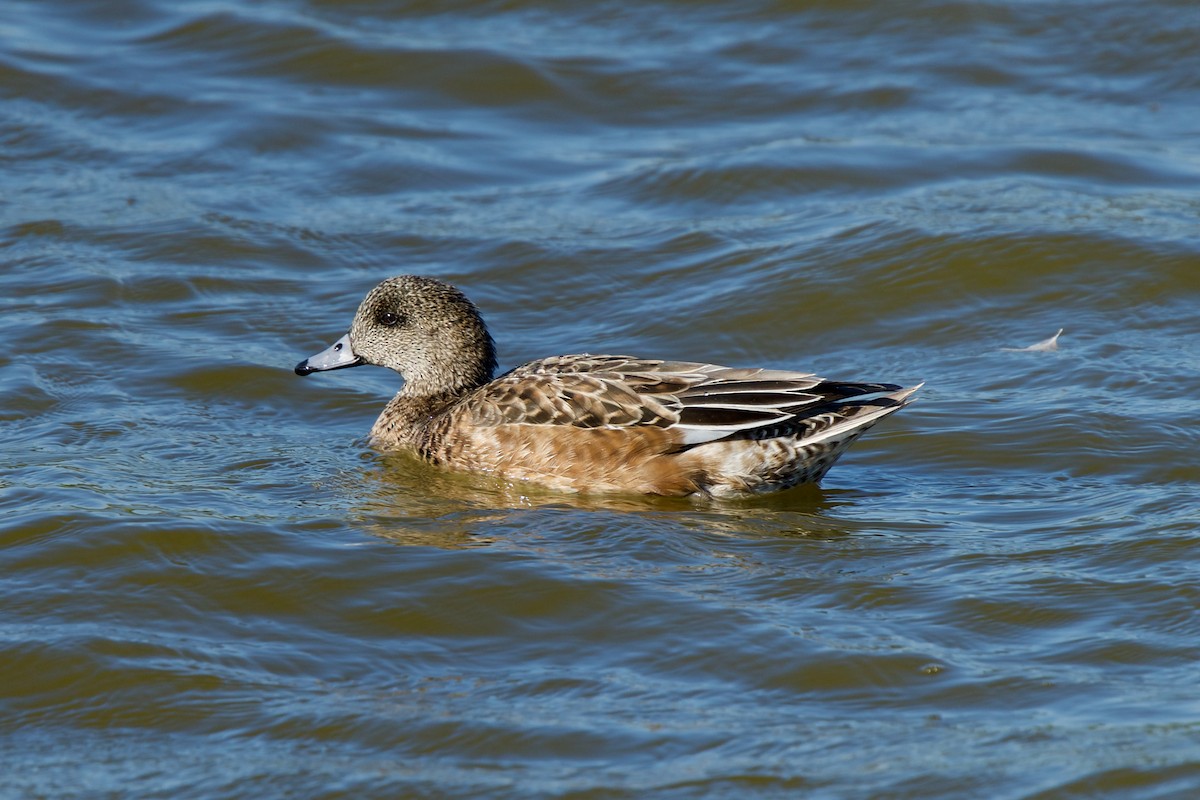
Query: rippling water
(212, 588)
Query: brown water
(210, 587)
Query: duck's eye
(390, 319)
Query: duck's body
(595, 423)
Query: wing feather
(701, 402)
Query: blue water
(210, 586)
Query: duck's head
(426, 330)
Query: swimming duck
(594, 422)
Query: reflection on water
(398, 497)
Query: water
(210, 587)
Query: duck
(594, 423)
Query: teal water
(211, 587)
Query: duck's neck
(410, 421)
(416, 418)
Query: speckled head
(426, 330)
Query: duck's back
(617, 423)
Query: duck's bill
(338, 356)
